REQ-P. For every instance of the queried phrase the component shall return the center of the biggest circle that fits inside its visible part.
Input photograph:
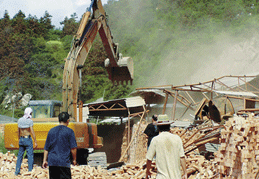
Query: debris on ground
(236, 158)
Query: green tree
(70, 25)
(45, 24)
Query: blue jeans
(24, 144)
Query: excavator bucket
(121, 73)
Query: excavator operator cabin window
(56, 111)
(41, 111)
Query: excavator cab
(45, 108)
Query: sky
(58, 9)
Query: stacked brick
(124, 145)
(138, 148)
(200, 168)
(238, 155)
(129, 171)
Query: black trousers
(59, 172)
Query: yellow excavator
(119, 69)
(46, 111)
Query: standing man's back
(168, 150)
(60, 142)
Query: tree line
(32, 53)
(32, 50)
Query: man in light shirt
(169, 153)
(25, 128)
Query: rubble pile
(8, 163)
(238, 155)
(196, 164)
(138, 144)
(198, 167)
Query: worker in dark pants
(60, 142)
(151, 130)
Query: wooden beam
(173, 95)
(206, 96)
(235, 97)
(185, 111)
(174, 106)
(128, 127)
(190, 97)
(166, 99)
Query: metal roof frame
(239, 87)
(229, 83)
(118, 107)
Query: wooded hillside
(160, 36)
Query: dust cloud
(203, 62)
(166, 54)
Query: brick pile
(238, 155)
(138, 147)
(8, 163)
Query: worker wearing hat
(169, 152)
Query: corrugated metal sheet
(117, 107)
(218, 83)
(234, 93)
(233, 81)
(134, 101)
(183, 124)
(158, 92)
(211, 147)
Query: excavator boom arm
(119, 69)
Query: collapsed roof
(237, 87)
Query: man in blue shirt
(60, 142)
